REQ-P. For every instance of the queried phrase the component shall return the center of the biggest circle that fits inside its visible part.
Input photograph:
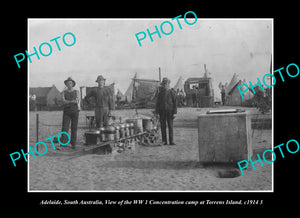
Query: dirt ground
(163, 168)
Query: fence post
(37, 130)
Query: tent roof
(231, 90)
(179, 85)
(233, 82)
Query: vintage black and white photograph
(175, 105)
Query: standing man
(166, 107)
(104, 102)
(71, 107)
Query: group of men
(166, 107)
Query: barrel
(92, 137)
(110, 132)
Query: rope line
(45, 124)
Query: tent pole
(159, 74)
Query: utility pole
(270, 89)
(159, 74)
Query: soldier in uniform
(166, 107)
(104, 102)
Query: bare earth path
(164, 168)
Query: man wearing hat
(166, 107)
(71, 107)
(104, 101)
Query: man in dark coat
(166, 107)
(104, 102)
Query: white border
(146, 191)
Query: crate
(224, 137)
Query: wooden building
(45, 98)
(199, 92)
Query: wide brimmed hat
(70, 79)
(99, 78)
(165, 80)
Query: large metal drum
(92, 137)
(110, 132)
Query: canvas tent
(233, 96)
(142, 91)
(179, 85)
(234, 80)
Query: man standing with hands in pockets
(166, 107)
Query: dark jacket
(104, 97)
(166, 101)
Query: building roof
(196, 79)
(146, 80)
(39, 91)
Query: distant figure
(104, 102)
(223, 94)
(194, 96)
(166, 107)
(180, 98)
(32, 105)
(118, 97)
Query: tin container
(110, 132)
(127, 131)
(122, 130)
(131, 129)
(117, 134)
(138, 124)
(102, 134)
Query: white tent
(232, 83)
(179, 85)
(120, 94)
(129, 92)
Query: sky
(109, 47)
